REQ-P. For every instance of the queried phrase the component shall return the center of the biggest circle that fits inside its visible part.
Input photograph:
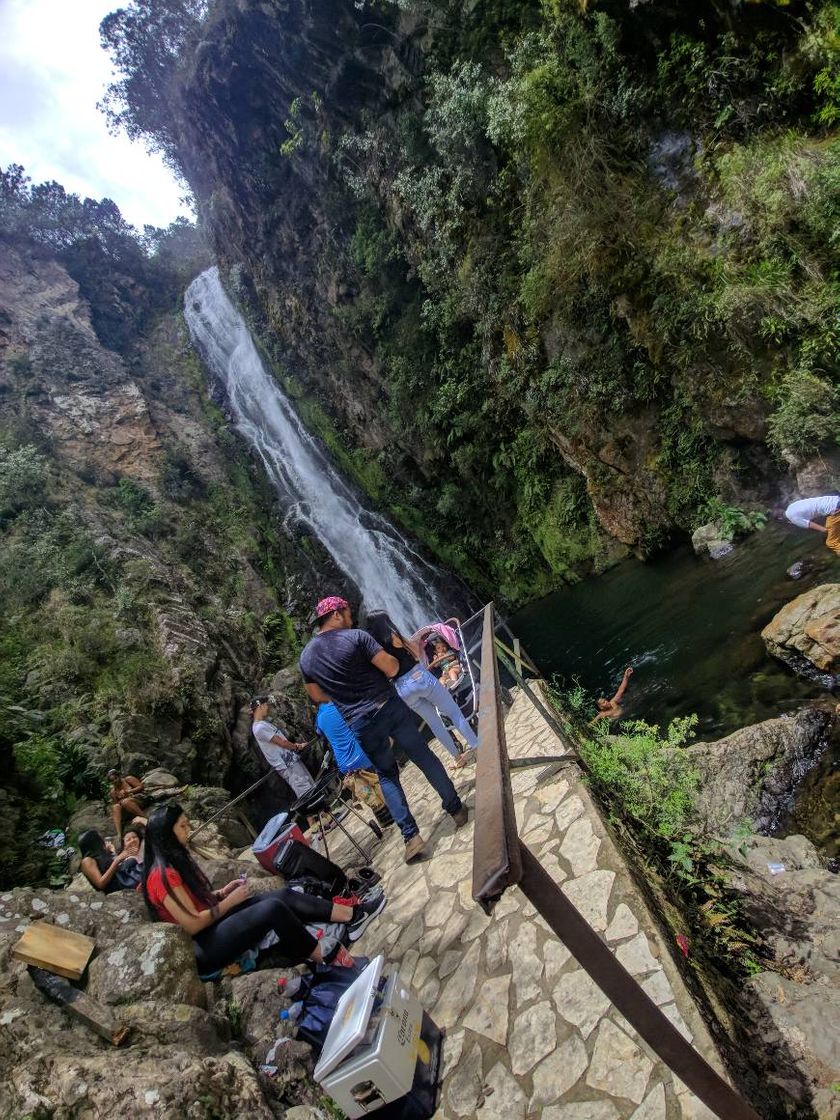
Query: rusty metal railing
(501, 861)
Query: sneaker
(364, 913)
(461, 817)
(414, 847)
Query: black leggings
(285, 911)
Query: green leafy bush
(23, 479)
(731, 520)
(644, 772)
(807, 418)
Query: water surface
(691, 629)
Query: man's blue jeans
(394, 720)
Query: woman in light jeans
(419, 689)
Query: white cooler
(373, 1043)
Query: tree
(146, 41)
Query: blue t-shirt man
(346, 748)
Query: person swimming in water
(612, 709)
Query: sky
(52, 73)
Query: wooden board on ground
(57, 950)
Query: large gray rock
(711, 540)
(792, 1008)
(752, 773)
(153, 961)
(202, 802)
(220, 872)
(168, 1083)
(90, 814)
(179, 1059)
(255, 1001)
(806, 632)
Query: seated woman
(226, 923)
(420, 689)
(443, 661)
(134, 837)
(106, 871)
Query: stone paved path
(528, 1033)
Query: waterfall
(387, 571)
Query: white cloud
(52, 73)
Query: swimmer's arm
(622, 688)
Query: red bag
(275, 833)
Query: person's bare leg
(116, 817)
(341, 913)
(129, 805)
(316, 955)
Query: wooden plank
(91, 1013)
(517, 655)
(57, 950)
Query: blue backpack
(320, 993)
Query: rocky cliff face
(139, 560)
(506, 311)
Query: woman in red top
(226, 923)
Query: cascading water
(366, 547)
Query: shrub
(644, 773)
(807, 417)
(23, 478)
(730, 519)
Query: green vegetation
(587, 255)
(93, 563)
(648, 786)
(730, 520)
(634, 211)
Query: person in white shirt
(279, 752)
(805, 512)
(808, 513)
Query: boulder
(789, 1009)
(170, 1082)
(806, 631)
(752, 773)
(255, 1001)
(179, 1058)
(713, 540)
(258, 1000)
(202, 802)
(153, 961)
(159, 779)
(90, 814)
(223, 871)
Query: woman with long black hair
(419, 688)
(226, 923)
(106, 871)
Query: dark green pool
(691, 629)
